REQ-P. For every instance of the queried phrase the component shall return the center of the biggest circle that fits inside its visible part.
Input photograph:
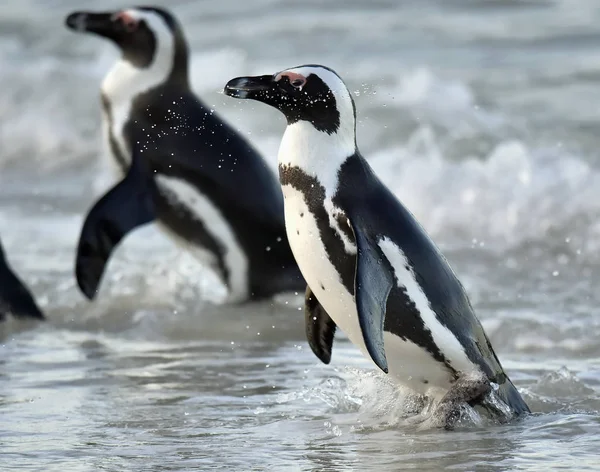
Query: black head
(310, 93)
(141, 33)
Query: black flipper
(15, 298)
(320, 328)
(125, 207)
(372, 285)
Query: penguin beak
(107, 24)
(89, 22)
(256, 88)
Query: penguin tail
(509, 394)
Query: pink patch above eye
(295, 78)
(128, 21)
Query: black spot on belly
(301, 214)
(314, 196)
(425, 381)
(342, 222)
(322, 286)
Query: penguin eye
(298, 83)
(129, 23)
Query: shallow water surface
(481, 115)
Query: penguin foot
(496, 408)
(467, 390)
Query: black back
(184, 139)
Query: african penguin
(15, 298)
(370, 267)
(207, 187)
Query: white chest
(112, 130)
(121, 86)
(314, 263)
(409, 363)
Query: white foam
(505, 198)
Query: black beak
(257, 87)
(102, 24)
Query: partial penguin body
(206, 186)
(15, 297)
(370, 267)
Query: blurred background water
(482, 116)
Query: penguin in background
(371, 269)
(210, 190)
(15, 298)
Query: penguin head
(309, 93)
(143, 34)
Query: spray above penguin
(370, 267)
(204, 184)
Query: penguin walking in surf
(370, 267)
(204, 184)
(15, 298)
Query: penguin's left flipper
(320, 328)
(466, 390)
(125, 207)
(373, 282)
(15, 298)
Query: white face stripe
(449, 345)
(340, 92)
(125, 81)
